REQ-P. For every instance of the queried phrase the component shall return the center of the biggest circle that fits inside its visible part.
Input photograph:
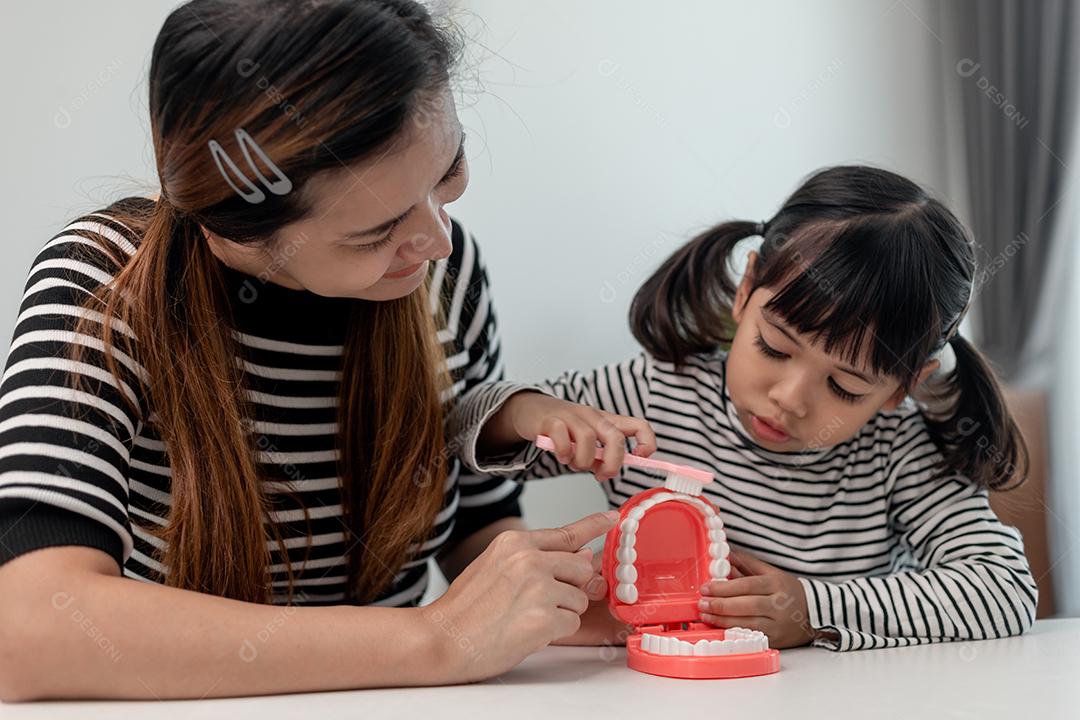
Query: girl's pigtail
(685, 306)
(975, 431)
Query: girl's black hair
(862, 260)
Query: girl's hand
(575, 430)
(760, 597)
(523, 592)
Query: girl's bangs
(859, 290)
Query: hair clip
(254, 195)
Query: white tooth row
(736, 642)
(625, 572)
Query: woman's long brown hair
(352, 74)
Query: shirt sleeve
(475, 359)
(64, 451)
(968, 577)
(620, 388)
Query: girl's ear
(898, 397)
(742, 295)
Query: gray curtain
(1015, 67)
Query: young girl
(861, 518)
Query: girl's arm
(972, 581)
(493, 425)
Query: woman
(235, 393)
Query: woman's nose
(430, 239)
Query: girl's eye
(769, 351)
(775, 354)
(844, 394)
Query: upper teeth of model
(736, 641)
(626, 573)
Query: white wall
(605, 133)
(75, 129)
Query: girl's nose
(790, 395)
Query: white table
(1034, 677)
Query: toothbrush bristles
(683, 484)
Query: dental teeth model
(736, 642)
(668, 543)
(685, 484)
(626, 574)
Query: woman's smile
(405, 272)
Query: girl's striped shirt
(81, 469)
(888, 552)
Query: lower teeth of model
(737, 641)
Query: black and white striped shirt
(887, 553)
(80, 469)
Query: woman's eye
(844, 394)
(380, 243)
(455, 170)
(767, 350)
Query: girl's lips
(404, 272)
(766, 430)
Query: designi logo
(253, 194)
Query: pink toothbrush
(680, 478)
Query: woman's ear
(898, 397)
(742, 294)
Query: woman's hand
(598, 625)
(575, 430)
(761, 597)
(523, 592)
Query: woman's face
(374, 228)
(789, 393)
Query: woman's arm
(458, 557)
(598, 627)
(74, 628)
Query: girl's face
(373, 228)
(789, 393)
